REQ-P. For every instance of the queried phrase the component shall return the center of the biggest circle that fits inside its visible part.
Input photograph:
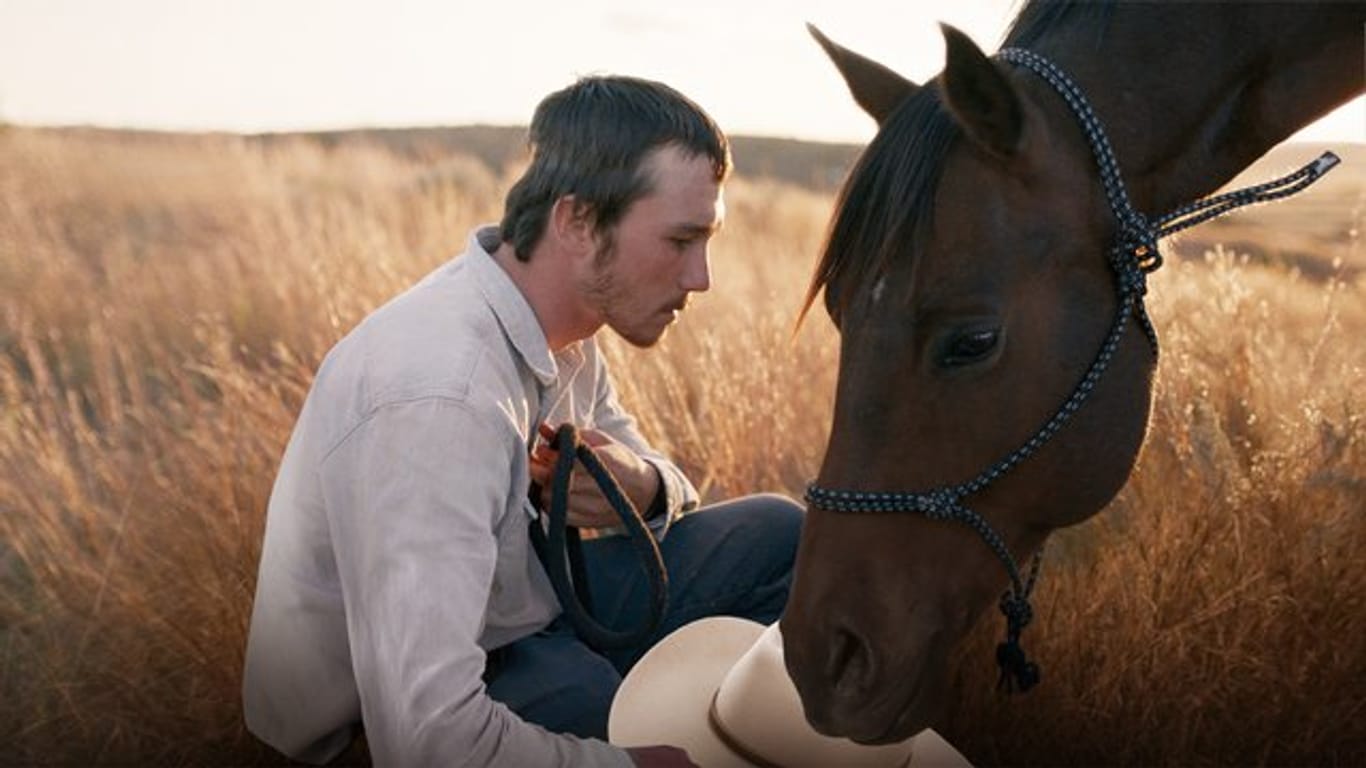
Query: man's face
(656, 254)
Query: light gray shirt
(396, 550)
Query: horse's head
(966, 270)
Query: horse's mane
(1040, 17)
(889, 195)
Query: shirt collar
(514, 314)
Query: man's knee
(772, 518)
(754, 534)
(776, 511)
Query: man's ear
(572, 225)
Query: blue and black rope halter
(1132, 256)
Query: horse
(985, 257)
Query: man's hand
(660, 757)
(588, 508)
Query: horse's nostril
(850, 663)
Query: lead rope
(559, 550)
(1135, 252)
(1133, 256)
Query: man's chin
(643, 338)
(642, 341)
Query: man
(398, 587)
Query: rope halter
(1132, 256)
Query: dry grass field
(164, 301)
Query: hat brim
(667, 695)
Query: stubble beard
(609, 299)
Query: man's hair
(590, 140)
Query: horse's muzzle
(849, 689)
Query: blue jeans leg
(734, 558)
(552, 679)
(729, 559)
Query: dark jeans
(732, 559)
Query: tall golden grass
(165, 300)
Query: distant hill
(1308, 231)
(814, 165)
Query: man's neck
(548, 285)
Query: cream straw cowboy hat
(718, 688)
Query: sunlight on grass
(164, 302)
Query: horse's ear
(979, 96)
(877, 89)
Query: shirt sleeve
(414, 495)
(610, 417)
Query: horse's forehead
(977, 211)
(986, 208)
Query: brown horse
(967, 272)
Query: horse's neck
(1191, 94)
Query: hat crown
(758, 712)
(718, 688)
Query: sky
(283, 65)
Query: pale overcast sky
(258, 65)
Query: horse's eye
(969, 347)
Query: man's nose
(697, 272)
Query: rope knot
(1018, 612)
(1018, 673)
(1135, 255)
(939, 504)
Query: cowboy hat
(717, 688)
